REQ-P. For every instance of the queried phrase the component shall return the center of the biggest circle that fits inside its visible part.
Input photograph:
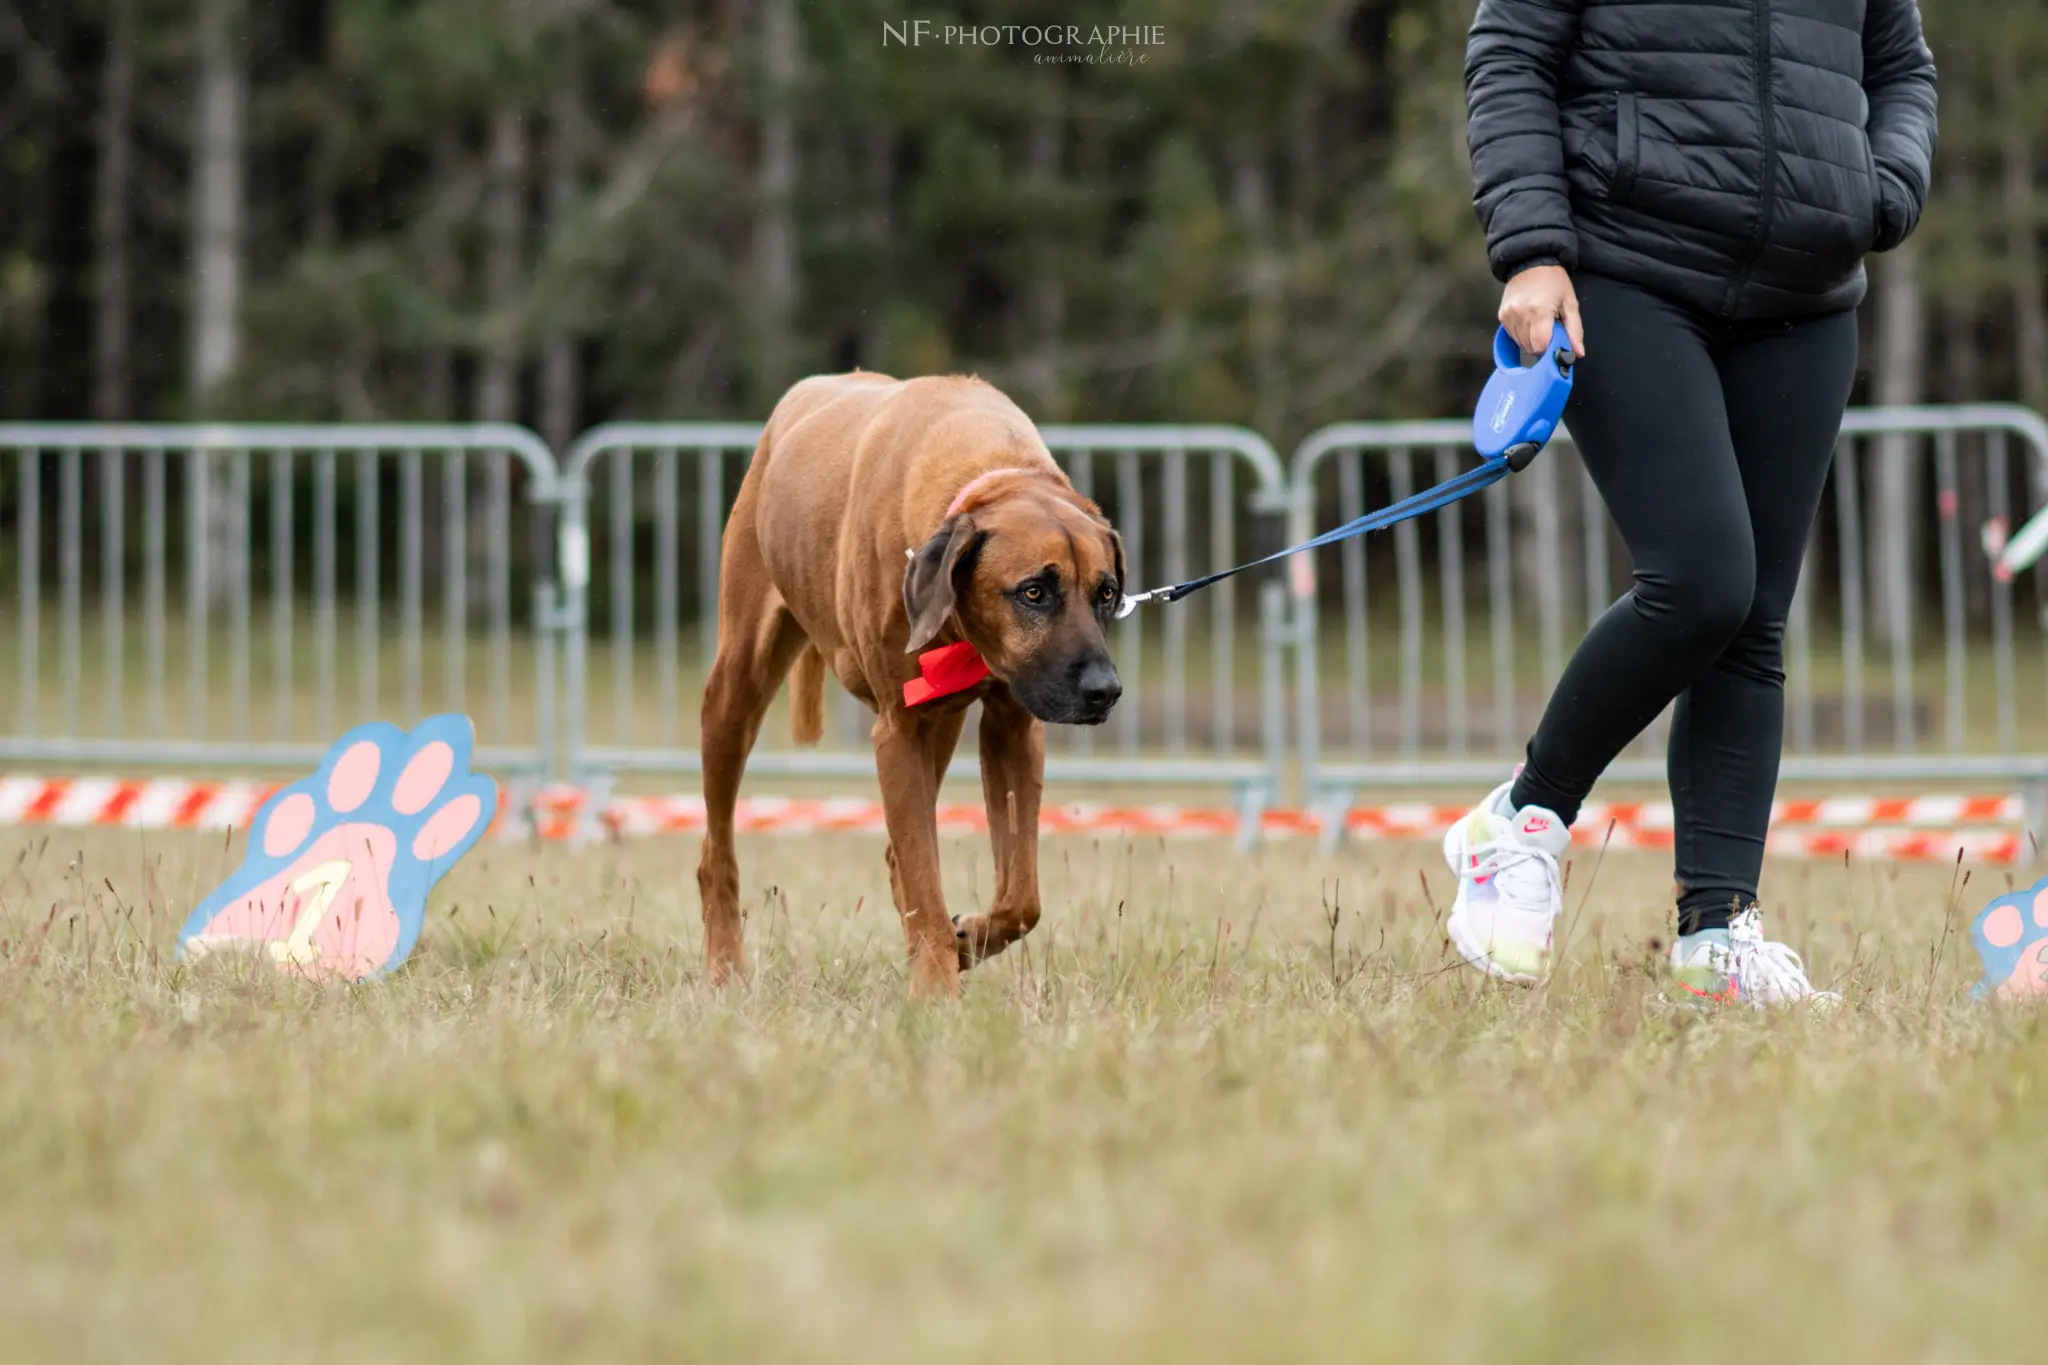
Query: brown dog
(854, 473)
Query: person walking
(1691, 188)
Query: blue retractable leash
(1518, 412)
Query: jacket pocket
(1874, 238)
(1627, 147)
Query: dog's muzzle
(1083, 693)
(1097, 691)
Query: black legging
(1710, 442)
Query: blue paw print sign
(2012, 938)
(335, 878)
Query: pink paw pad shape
(2012, 937)
(334, 882)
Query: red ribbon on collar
(945, 670)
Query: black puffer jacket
(1740, 155)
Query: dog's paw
(981, 937)
(334, 884)
(2012, 937)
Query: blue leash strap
(1414, 505)
(1518, 411)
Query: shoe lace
(1768, 972)
(1526, 879)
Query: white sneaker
(1746, 970)
(1509, 888)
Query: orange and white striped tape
(1878, 843)
(1936, 827)
(148, 803)
(1939, 812)
(1878, 828)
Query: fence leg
(590, 826)
(521, 819)
(1252, 800)
(2034, 820)
(1332, 809)
(1273, 641)
(1307, 715)
(572, 568)
(546, 625)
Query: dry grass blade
(549, 1138)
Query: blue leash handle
(1507, 447)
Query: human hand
(1534, 299)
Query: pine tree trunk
(444, 278)
(2023, 233)
(217, 199)
(1046, 304)
(558, 380)
(775, 277)
(216, 285)
(1962, 348)
(497, 398)
(1263, 283)
(111, 384)
(1894, 495)
(497, 390)
(2023, 253)
(445, 491)
(878, 152)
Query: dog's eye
(1034, 594)
(1106, 594)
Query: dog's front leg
(910, 796)
(1012, 781)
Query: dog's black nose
(1098, 685)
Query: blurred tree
(215, 221)
(1897, 469)
(558, 211)
(111, 380)
(218, 134)
(2023, 105)
(775, 206)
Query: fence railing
(236, 595)
(641, 502)
(239, 594)
(1430, 679)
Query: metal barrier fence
(236, 595)
(182, 557)
(641, 501)
(1853, 638)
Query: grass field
(1226, 1107)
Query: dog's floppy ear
(1116, 546)
(931, 582)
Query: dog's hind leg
(1012, 782)
(758, 641)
